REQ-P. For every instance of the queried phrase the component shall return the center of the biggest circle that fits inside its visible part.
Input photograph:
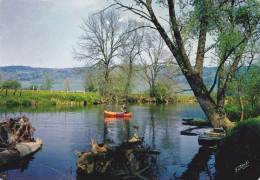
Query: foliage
(11, 85)
(248, 82)
(48, 82)
(43, 98)
(90, 88)
(91, 81)
(231, 24)
(252, 86)
(233, 111)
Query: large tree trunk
(215, 114)
(104, 90)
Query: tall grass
(38, 98)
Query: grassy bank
(29, 98)
(185, 98)
(43, 98)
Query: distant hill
(32, 75)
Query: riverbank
(30, 98)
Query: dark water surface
(64, 132)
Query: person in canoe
(123, 108)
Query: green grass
(183, 98)
(39, 98)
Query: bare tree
(130, 52)
(153, 59)
(103, 34)
(203, 16)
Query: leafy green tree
(245, 90)
(232, 24)
(250, 87)
(90, 88)
(14, 85)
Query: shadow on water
(20, 165)
(199, 164)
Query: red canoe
(117, 114)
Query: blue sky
(41, 33)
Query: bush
(239, 155)
(12, 102)
(26, 102)
(233, 112)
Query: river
(65, 131)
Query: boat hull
(111, 114)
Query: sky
(42, 33)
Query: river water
(65, 131)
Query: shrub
(12, 102)
(233, 112)
(26, 102)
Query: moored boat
(117, 114)
(212, 137)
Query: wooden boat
(117, 114)
(187, 119)
(212, 137)
(19, 151)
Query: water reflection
(116, 130)
(199, 164)
(21, 165)
(64, 131)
